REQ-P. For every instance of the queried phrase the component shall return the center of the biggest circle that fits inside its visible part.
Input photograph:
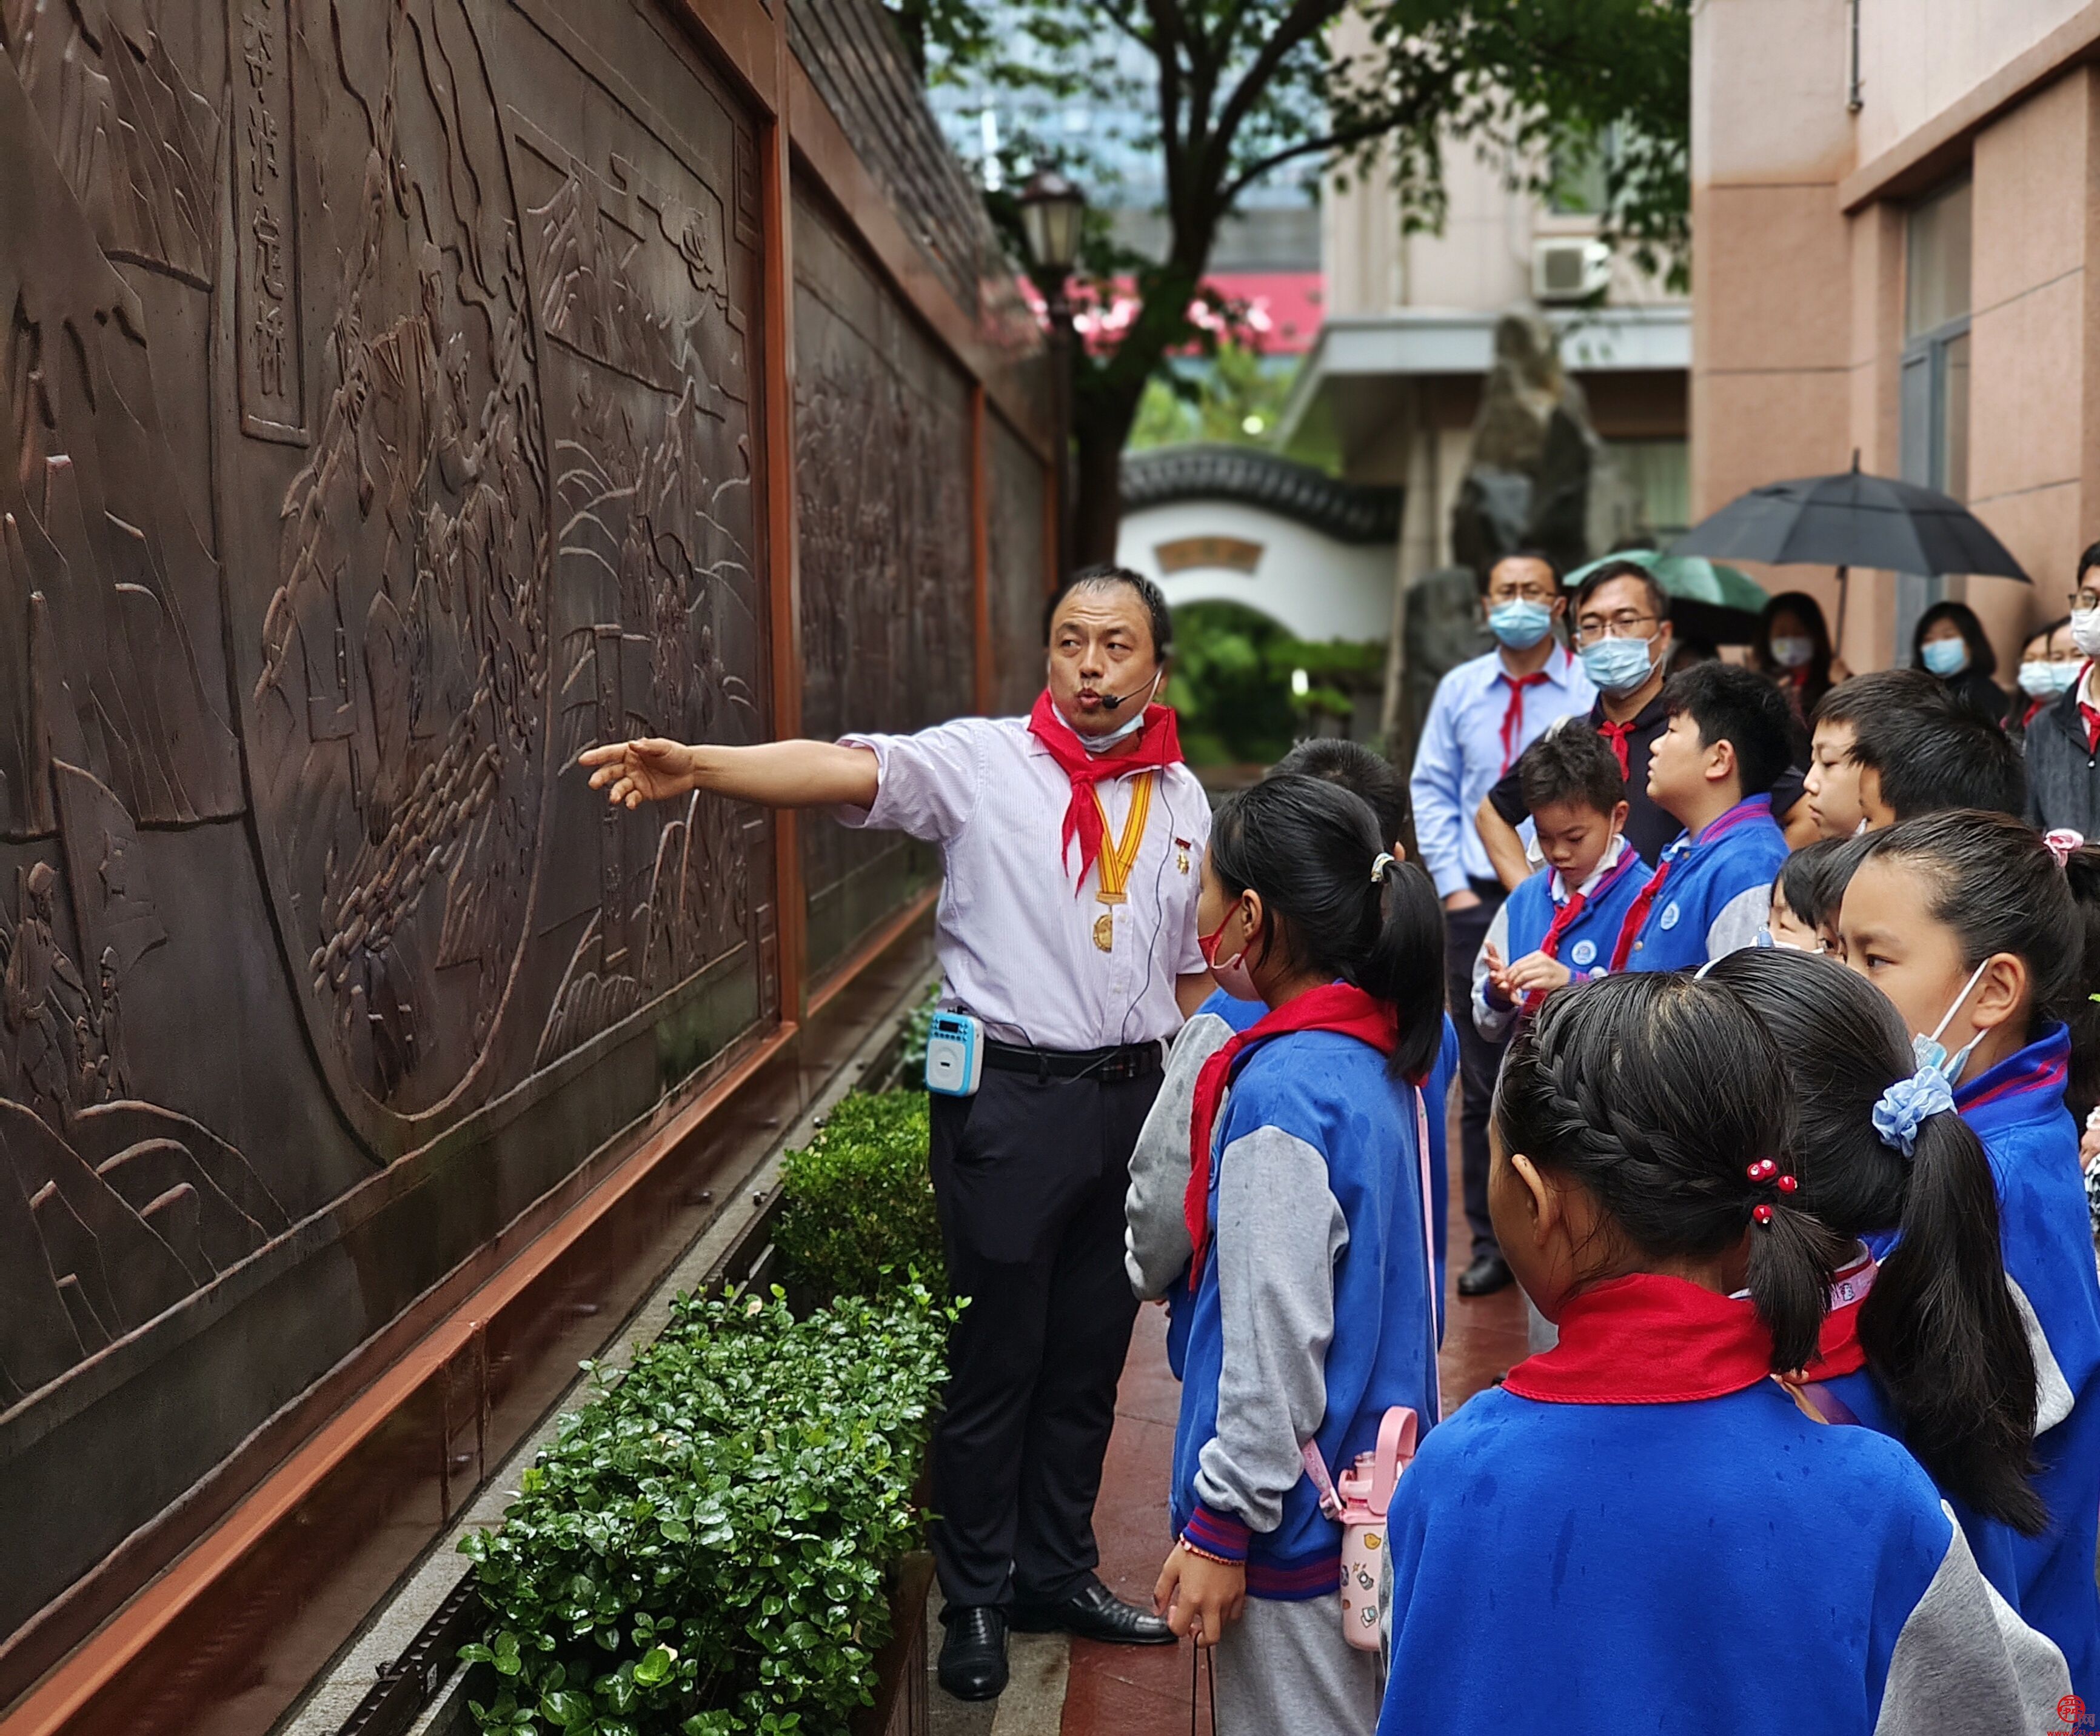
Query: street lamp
(1053, 213)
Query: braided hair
(1659, 1093)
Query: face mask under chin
(1929, 1052)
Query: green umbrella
(1690, 577)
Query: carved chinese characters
(265, 319)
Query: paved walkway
(1117, 1690)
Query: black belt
(1134, 1061)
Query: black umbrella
(1848, 520)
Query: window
(1576, 174)
(1935, 369)
(1659, 473)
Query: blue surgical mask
(1945, 656)
(2042, 680)
(1521, 624)
(1929, 1051)
(1618, 665)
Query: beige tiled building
(1895, 206)
(1395, 378)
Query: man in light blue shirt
(1486, 712)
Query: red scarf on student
(1335, 1006)
(1158, 745)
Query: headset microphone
(1110, 702)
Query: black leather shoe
(1094, 1612)
(973, 1655)
(1488, 1273)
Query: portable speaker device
(954, 1054)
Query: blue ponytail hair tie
(1904, 1105)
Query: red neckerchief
(1513, 716)
(2034, 707)
(1335, 1006)
(1837, 1348)
(2092, 721)
(1648, 1339)
(1577, 902)
(1616, 733)
(1637, 914)
(1683, 850)
(1158, 745)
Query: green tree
(1237, 400)
(1223, 93)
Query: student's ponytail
(1343, 906)
(1666, 1098)
(1939, 1327)
(1405, 963)
(1942, 1332)
(1792, 1258)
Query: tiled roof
(1348, 512)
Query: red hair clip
(1763, 1214)
(1763, 1170)
(1786, 1185)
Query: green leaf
(655, 1665)
(566, 1708)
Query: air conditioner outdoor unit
(1568, 268)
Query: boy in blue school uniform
(1563, 921)
(1713, 768)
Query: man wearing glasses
(1623, 637)
(2063, 737)
(1485, 713)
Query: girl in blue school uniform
(1310, 1307)
(1640, 1529)
(1156, 1241)
(1923, 1340)
(1968, 922)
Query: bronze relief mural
(397, 709)
(1019, 581)
(381, 426)
(883, 514)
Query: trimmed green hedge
(856, 1213)
(703, 1550)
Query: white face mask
(1929, 1051)
(2085, 631)
(1123, 732)
(1789, 652)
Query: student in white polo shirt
(1071, 841)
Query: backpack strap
(1428, 1251)
(1315, 1468)
(1396, 1432)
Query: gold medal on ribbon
(1118, 856)
(1104, 932)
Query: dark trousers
(1030, 1175)
(1479, 1059)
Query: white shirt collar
(1606, 863)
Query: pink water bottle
(1360, 1504)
